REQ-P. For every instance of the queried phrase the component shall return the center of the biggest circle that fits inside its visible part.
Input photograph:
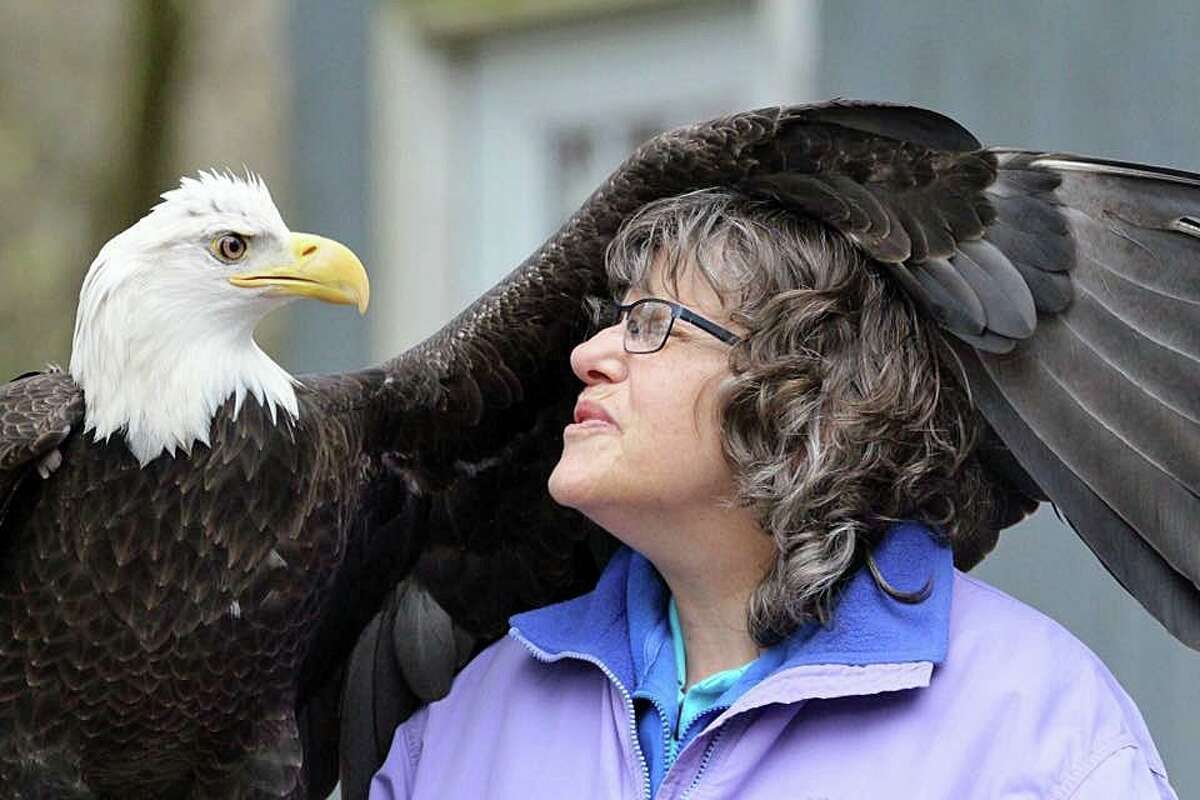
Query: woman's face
(645, 444)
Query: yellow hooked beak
(321, 269)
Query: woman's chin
(565, 488)
(575, 484)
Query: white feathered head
(164, 332)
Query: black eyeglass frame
(677, 312)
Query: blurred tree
(103, 185)
(137, 173)
(60, 84)
(102, 107)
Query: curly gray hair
(840, 415)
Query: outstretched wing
(1074, 281)
(1102, 404)
(38, 411)
(1066, 280)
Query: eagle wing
(38, 411)
(1068, 284)
(1072, 289)
(1071, 286)
(1102, 404)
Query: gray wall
(330, 170)
(1107, 78)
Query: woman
(771, 430)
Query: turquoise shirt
(704, 694)
(667, 716)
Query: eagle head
(164, 331)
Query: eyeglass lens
(647, 326)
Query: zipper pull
(680, 696)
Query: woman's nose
(601, 359)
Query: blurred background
(443, 140)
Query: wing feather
(1123, 549)
(1001, 289)
(38, 411)
(950, 297)
(1161, 435)
(1100, 404)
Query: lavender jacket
(969, 694)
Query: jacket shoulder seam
(1074, 777)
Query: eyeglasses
(648, 323)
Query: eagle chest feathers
(145, 598)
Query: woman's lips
(590, 417)
(587, 411)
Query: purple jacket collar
(868, 626)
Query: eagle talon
(49, 463)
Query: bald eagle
(214, 578)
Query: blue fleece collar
(629, 605)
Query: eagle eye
(230, 247)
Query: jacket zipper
(669, 740)
(631, 713)
(708, 748)
(704, 759)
